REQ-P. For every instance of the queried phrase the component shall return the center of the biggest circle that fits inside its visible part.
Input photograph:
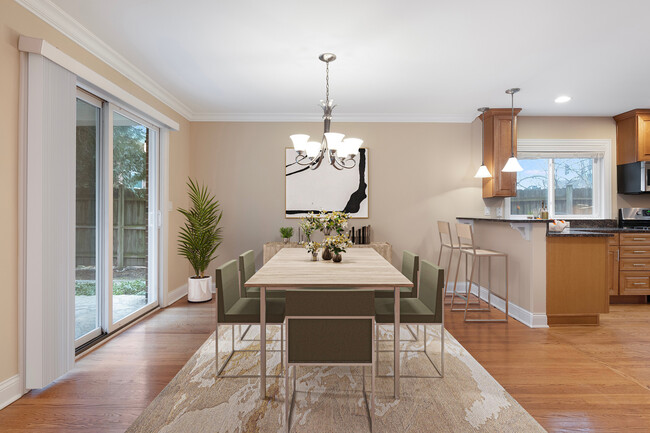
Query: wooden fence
(569, 200)
(130, 243)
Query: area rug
(330, 399)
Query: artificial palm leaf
(200, 236)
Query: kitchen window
(571, 178)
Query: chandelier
(339, 151)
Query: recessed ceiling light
(562, 99)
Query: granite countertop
(595, 231)
(583, 232)
(504, 220)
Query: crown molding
(64, 23)
(339, 118)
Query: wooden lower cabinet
(633, 265)
(577, 291)
(612, 269)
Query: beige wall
(418, 173)
(14, 21)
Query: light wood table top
(361, 267)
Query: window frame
(600, 150)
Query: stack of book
(360, 236)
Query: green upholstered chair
(247, 270)
(329, 327)
(426, 309)
(410, 268)
(233, 310)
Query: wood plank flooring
(568, 378)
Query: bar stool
(446, 241)
(468, 248)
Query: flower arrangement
(336, 221)
(311, 223)
(337, 244)
(312, 246)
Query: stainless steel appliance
(633, 178)
(634, 218)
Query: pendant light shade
(483, 171)
(512, 165)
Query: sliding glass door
(87, 299)
(133, 215)
(116, 218)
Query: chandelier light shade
(333, 147)
(512, 165)
(483, 171)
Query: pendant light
(512, 165)
(483, 171)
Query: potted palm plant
(199, 239)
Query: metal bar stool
(468, 249)
(446, 241)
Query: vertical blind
(49, 221)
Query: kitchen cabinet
(634, 264)
(496, 151)
(633, 136)
(576, 280)
(612, 269)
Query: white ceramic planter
(199, 289)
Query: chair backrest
(465, 236)
(330, 326)
(432, 283)
(444, 231)
(410, 268)
(246, 270)
(227, 289)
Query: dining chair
(247, 270)
(410, 268)
(233, 310)
(334, 327)
(446, 242)
(426, 309)
(468, 248)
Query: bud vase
(327, 254)
(314, 256)
(337, 258)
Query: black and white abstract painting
(326, 188)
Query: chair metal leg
(505, 319)
(216, 349)
(442, 349)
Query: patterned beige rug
(330, 399)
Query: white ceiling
(405, 61)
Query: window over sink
(572, 178)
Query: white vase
(199, 289)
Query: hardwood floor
(111, 386)
(568, 378)
(580, 378)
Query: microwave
(633, 178)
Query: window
(569, 178)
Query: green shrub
(120, 287)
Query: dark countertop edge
(579, 233)
(504, 220)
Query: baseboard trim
(532, 320)
(176, 294)
(10, 391)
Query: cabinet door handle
(639, 252)
(639, 284)
(638, 264)
(639, 239)
(618, 255)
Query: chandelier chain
(327, 83)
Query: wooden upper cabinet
(497, 151)
(633, 136)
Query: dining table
(360, 269)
